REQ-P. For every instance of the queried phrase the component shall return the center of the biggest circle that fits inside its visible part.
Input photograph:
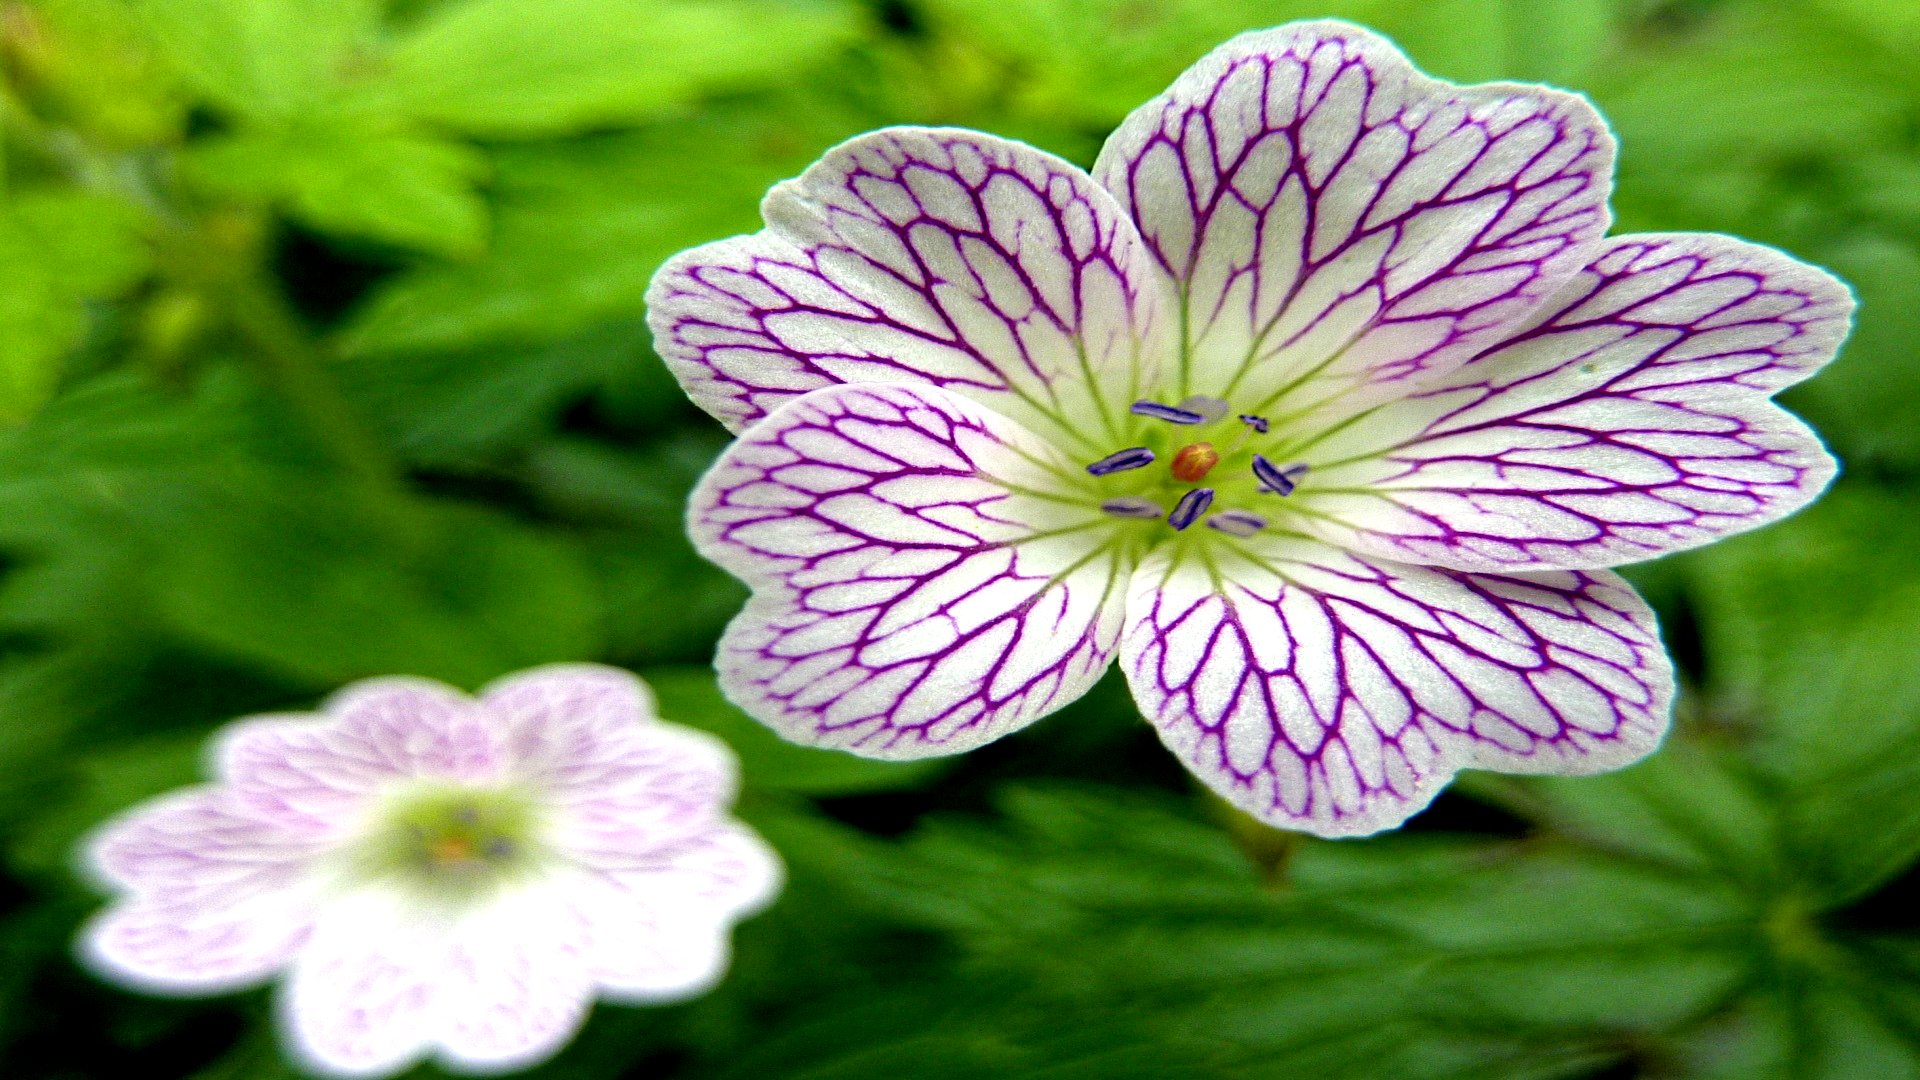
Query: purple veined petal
(1322, 692)
(1337, 219)
(587, 739)
(928, 576)
(923, 255)
(321, 770)
(386, 979)
(366, 994)
(637, 793)
(521, 980)
(1629, 419)
(658, 926)
(219, 898)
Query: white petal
(1337, 219)
(1321, 692)
(220, 898)
(963, 589)
(1629, 419)
(928, 256)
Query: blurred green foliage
(321, 356)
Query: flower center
(1174, 497)
(452, 840)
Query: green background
(322, 356)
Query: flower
(436, 872)
(1324, 405)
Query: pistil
(1192, 463)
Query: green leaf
(265, 59)
(399, 187)
(1812, 626)
(1751, 82)
(580, 228)
(1694, 807)
(463, 407)
(542, 67)
(690, 696)
(58, 250)
(289, 581)
(1554, 41)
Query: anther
(1122, 460)
(1257, 423)
(1210, 407)
(1237, 522)
(1191, 463)
(1190, 507)
(1275, 479)
(1132, 506)
(1170, 413)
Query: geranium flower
(1323, 404)
(438, 873)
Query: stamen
(1190, 507)
(1255, 425)
(1171, 414)
(1275, 479)
(1191, 463)
(1210, 407)
(1132, 506)
(1237, 523)
(1122, 460)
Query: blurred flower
(438, 873)
(1323, 404)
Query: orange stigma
(1192, 463)
(449, 849)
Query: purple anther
(1257, 423)
(1132, 506)
(1190, 507)
(1168, 413)
(1122, 460)
(1210, 407)
(1275, 479)
(1237, 522)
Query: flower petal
(1336, 218)
(522, 982)
(590, 738)
(322, 772)
(1322, 692)
(928, 576)
(1630, 419)
(221, 898)
(365, 995)
(920, 255)
(644, 790)
(659, 923)
(386, 977)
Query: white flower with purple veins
(1323, 404)
(439, 874)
